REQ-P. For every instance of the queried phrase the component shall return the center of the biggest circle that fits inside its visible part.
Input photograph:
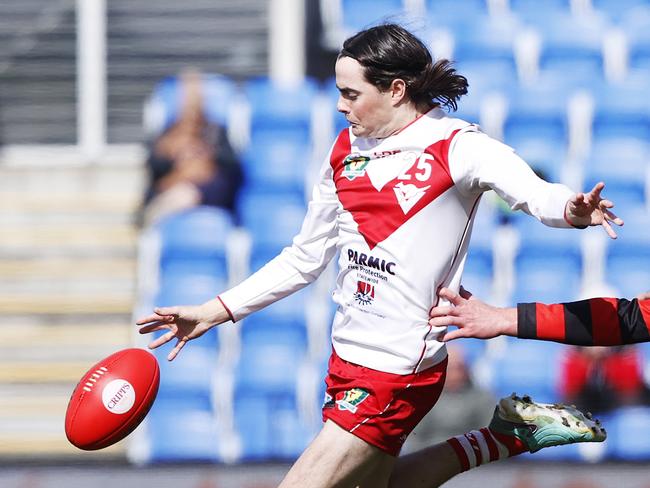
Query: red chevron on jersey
(379, 212)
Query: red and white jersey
(399, 210)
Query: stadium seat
(620, 10)
(273, 219)
(163, 106)
(636, 25)
(548, 279)
(181, 430)
(489, 39)
(539, 111)
(191, 373)
(572, 42)
(361, 14)
(445, 13)
(623, 164)
(270, 426)
(626, 434)
(527, 367)
(478, 273)
(529, 11)
(622, 110)
(197, 234)
(285, 319)
(628, 273)
(277, 109)
(270, 365)
(277, 163)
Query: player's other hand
(643, 296)
(590, 209)
(183, 323)
(473, 317)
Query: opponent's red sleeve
(593, 322)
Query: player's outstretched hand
(643, 296)
(586, 209)
(473, 317)
(183, 323)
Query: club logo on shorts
(355, 165)
(328, 401)
(365, 293)
(352, 399)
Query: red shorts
(380, 408)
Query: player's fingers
(440, 311)
(154, 317)
(146, 329)
(163, 339)
(443, 321)
(612, 217)
(608, 229)
(177, 348)
(451, 296)
(167, 311)
(595, 191)
(452, 334)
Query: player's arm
(479, 163)
(295, 267)
(593, 322)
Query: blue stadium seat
(280, 110)
(165, 101)
(191, 288)
(622, 110)
(182, 431)
(270, 426)
(620, 10)
(445, 13)
(572, 42)
(622, 163)
(190, 374)
(277, 163)
(636, 25)
(539, 111)
(531, 12)
(283, 320)
(361, 14)
(528, 367)
(629, 274)
(273, 219)
(198, 234)
(626, 434)
(478, 274)
(270, 366)
(549, 279)
(489, 40)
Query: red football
(111, 399)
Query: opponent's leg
(336, 459)
(518, 425)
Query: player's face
(368, 110)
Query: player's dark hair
(389, 51)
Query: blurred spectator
(192, 163)
(462, 407)
(600, 379)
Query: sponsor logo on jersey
(370, 261)
(352, 399)
(365, 293)
(408, 195)
(355, 166)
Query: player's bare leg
(337, 459)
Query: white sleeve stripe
(471, 457)
(483, 446)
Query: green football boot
(540, 425)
